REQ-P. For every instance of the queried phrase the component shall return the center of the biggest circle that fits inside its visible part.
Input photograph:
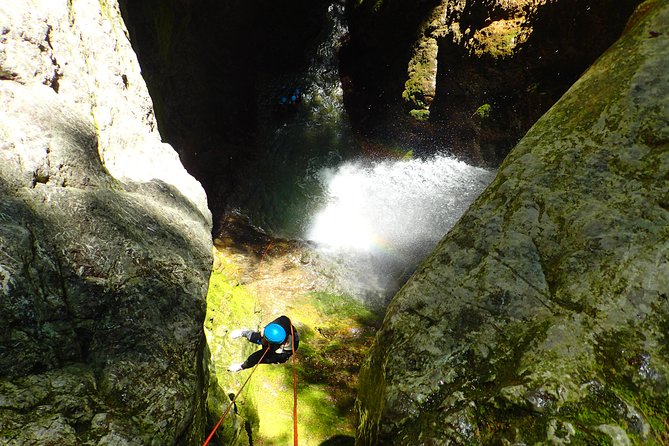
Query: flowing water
(380, 219)
(370, 221)
(279, 190)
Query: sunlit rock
(104, 241)
(417, 72)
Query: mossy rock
(420, 115)
(335, 332)
(483, 112)
(542, 316)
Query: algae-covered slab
(248, 289)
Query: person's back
(279, 338)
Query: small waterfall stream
(379, 220)
(280, 187)
(371, 221)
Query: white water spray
(379, 221)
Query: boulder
(542, 317)
(105, 245)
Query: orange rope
(263, 254)
(292, 340)
(206, 442)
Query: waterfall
(379, 220)
(324, 89)
(279, 186)
(371, 222)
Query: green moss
(499, 45)
(414, 88)
(413, 92)
(632, 380)
(337, 305)
(419, 88)
(229, 305)
(227, 299)
(483, 112)
(420, 115)
(335, 332)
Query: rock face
(105, 246)
(543, 316)
(467, 76)
(211, 67)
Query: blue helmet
(275, 334)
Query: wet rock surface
(257, 278)
(542, 316)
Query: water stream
(280, 189)
(370, 221)
(379, 220)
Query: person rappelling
(279, 338)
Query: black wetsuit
(277, 353)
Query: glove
(234, 368)
(234, 334)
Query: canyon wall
(467, 77)
(105, 246)
(542, 316)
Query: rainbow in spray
(392, 211)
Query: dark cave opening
(205, 64)
(215, 68)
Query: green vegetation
(483, 111)
(420, 86)
(420, 115)
(335, 333)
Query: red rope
(263, 254)
(206, 442)
(292, 340)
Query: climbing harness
(206, 442)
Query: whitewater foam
(380, 220)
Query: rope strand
(211, 435)
(264, 253)
(292, 340)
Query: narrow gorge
(462, 205)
